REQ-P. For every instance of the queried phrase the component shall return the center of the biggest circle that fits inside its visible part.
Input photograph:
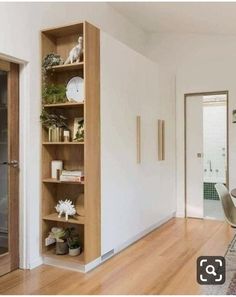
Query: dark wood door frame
(185, 140)
(10, 260)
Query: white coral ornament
(65, 207)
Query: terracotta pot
(74, 252)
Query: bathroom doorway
(206, 153)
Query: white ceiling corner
(181, 17)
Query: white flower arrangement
(65, 207)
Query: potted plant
(60, 235)
(53, 94)
(49, 61)
(73, 242)
(55, 125)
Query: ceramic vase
(74, 252)
(55, 134)
(61, 248)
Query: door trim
(4, 65)
(13, 144)
(185, 137)
(10, 259)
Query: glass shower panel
(3, 167)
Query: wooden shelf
(55, 181)
(64, 105)
(56, 32)
(67, 67)
(54, 217)
(66, 258)
(63, 143)
(74, 154)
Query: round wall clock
(75, 89)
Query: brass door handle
(13, 163)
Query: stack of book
(72, 175)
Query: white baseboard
(85, 268)
(93, 264)
(180, 214)
(35, 263)
(143, 233)
(64, 264)
(129, 242)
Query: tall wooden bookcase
(75, 155)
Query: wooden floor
(163, 262)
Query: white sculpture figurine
(76, 52)
(65, 207)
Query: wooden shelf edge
(65, 105)
(54, 217)
(63, 67)
(63, 143)
(55, 181)
(65, 258)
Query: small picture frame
(78, 131)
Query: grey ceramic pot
(62, 248)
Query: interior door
(9, 171)
(194, 156)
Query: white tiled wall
(214, 143)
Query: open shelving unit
(75, 155)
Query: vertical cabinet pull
(161, 139)
(138, 132)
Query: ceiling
(181, 17)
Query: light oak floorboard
(163, 262)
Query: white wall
(214, 142)
(198, 63)
(19, 38)
(134, 197)
(158, 52)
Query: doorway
(9, 171)
(206, 153)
